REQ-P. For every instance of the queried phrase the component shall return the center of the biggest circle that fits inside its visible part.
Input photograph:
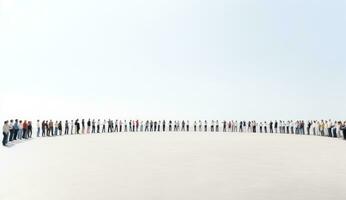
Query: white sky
(225, 59)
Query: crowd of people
(22, 129)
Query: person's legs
(38, 131)
(4, 139)
(15, 134)
(11, 134)
(24, 134)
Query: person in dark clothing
(308, 127)
(343, 128)
(43, 125)
(66, 128)
(60, 127)
(5, 132)
(16, 129)
(93, 126)
(88, 126)
(109, 129)
(164, 125)
(271, 127)
(29, 129)
(151, 125)
(77, 124)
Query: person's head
(38, 120)
(5, 122)
(11, 120)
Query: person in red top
(25, 129)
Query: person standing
(25, 129)
(29, 129)
(10, 125)
(109, 126)
(20, 131)
(159, 126)
(308, 127)
(142, 126)
(137, 125)
(98, 126)
(43, 125)
(164, 126)
(183, 125)
(104, 126)
(151, 125)
(217, 126)
(155, 126)
(195, 126)
(212, 126)
(265, 127)
(130, 123)
(38, 128)
(71, 126)
(271, 127)
(77, 124)
(116, 126)
(205, 126)
(56, 124)
(170, 126)
(5, 132)
(60, 127)
(83, 126)
(276, 126)
(93, 126)
(120, 125)
(88, 126)
(343, 129)
(51, 128)
(16, 129)
(66, 128)
(125, 126)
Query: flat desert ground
(175, 166)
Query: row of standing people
(22, 129)
(14, 130)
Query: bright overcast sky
(225, 59)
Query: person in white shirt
(56, 124)
(11, 138)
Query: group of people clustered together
(21, 129)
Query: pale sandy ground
(175, 167)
